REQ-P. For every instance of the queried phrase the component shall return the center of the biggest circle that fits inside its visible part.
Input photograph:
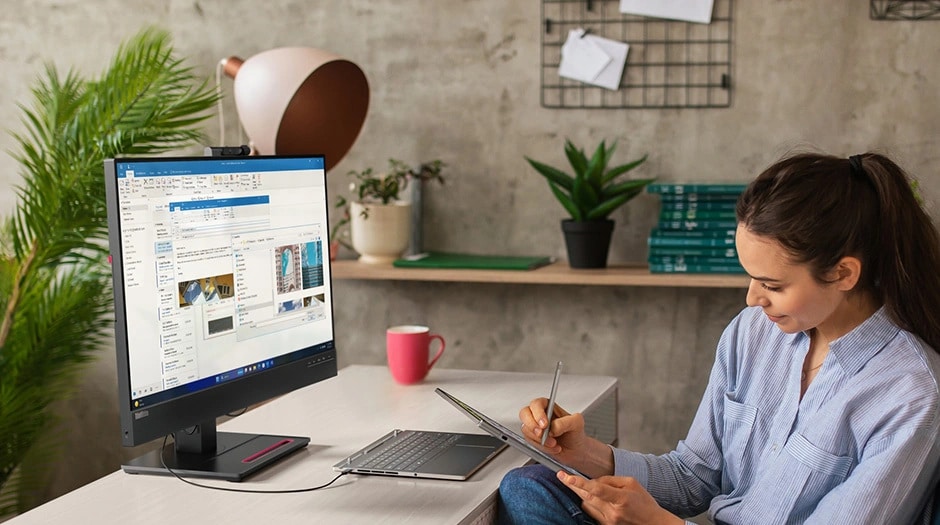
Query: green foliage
(383, 187)
(55, 283)
(915, 188)
(594, 191)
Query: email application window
(235, 254)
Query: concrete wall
(459, 80)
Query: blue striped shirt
(860, 447)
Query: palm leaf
(55, 296)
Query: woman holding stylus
(823, 403)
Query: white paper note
(593, 59)
(582, 58)
(687, 10)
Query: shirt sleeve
(635, 465)
(685, 480)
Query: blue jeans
(532, 494)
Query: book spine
(703, 205)
(671, 215)
(716, 224)
(682, 189)
(696, 268)
(693, 233)
(701, 242)
(699, 197)
(692, 241)
(691, 251)
(693, 260)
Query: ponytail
(908, 252)
(822, 208)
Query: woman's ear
(847, 273)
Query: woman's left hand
(617, 500)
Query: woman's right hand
(567, 440)
(566, 437)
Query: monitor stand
(205, 453)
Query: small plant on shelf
(589, 196)
(385, 187)
(594, 191)
(370, 189)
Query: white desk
(341, 415)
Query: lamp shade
(299, 100)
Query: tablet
(502, 433)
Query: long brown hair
(821, 208)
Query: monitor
(222, 299)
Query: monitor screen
(223, 299)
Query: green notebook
(470, 261)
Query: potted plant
(589, 196)
(379, 220)
(55, 289)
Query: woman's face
(787, 292)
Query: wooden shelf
(555, 273)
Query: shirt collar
(854, 349)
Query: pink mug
(408, 349)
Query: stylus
(551, 401)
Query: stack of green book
(695, 230)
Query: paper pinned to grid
(699, 11)
(593, 59)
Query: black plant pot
(587, 242)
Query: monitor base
(236, 457)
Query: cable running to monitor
(250, 491)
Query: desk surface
(340, 415)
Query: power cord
(229, 489)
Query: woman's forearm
(596, 459)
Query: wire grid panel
(905, 10)
(670, 64)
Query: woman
(823, 402)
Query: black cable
(250, 491)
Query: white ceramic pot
(383, 235)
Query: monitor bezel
(145, 424)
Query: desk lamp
(298, 100)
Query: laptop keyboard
(410, 451)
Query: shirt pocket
(820, 463)
(789, 488)
(737, 428)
